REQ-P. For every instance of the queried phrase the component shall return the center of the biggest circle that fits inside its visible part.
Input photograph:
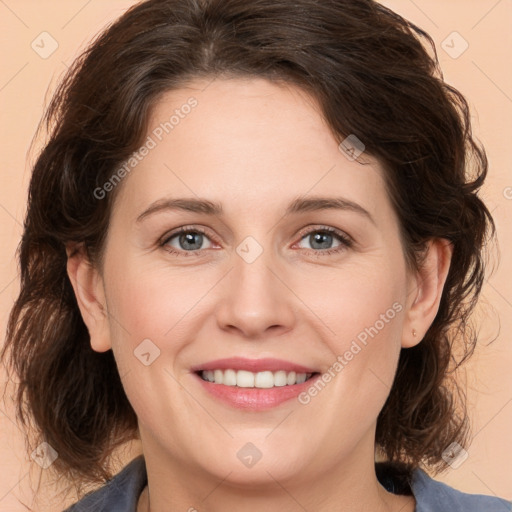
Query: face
(291, 261)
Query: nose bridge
(253, 271)
(255, 298)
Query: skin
(254, 146)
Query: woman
(252, 240)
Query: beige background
(482, 73)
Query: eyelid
(346, 241)
(329, 229)
(187, 229)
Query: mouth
(254, 384)
(245, 379)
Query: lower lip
(255, 399)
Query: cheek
(150, 311)
(364, 312)
(152, 302)
(363, 302)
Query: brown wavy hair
(373, 73)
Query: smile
(246, 379)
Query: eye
(185, 240)
(188, 241)
(321, 240)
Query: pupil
(189, 238)
(319, 240)
(323, 240)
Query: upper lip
(253, 365)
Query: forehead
(247, 141)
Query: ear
(425, 291)
(90, 295)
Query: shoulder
(434, 496)
(120, 494)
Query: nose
(255, 301)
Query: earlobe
(90, 295)
(426, 291)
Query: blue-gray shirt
(122, 492)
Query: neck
(386, 503)
(350, 486)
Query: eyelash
(345, 241)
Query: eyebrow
(298, 205)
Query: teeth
(245, 379)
